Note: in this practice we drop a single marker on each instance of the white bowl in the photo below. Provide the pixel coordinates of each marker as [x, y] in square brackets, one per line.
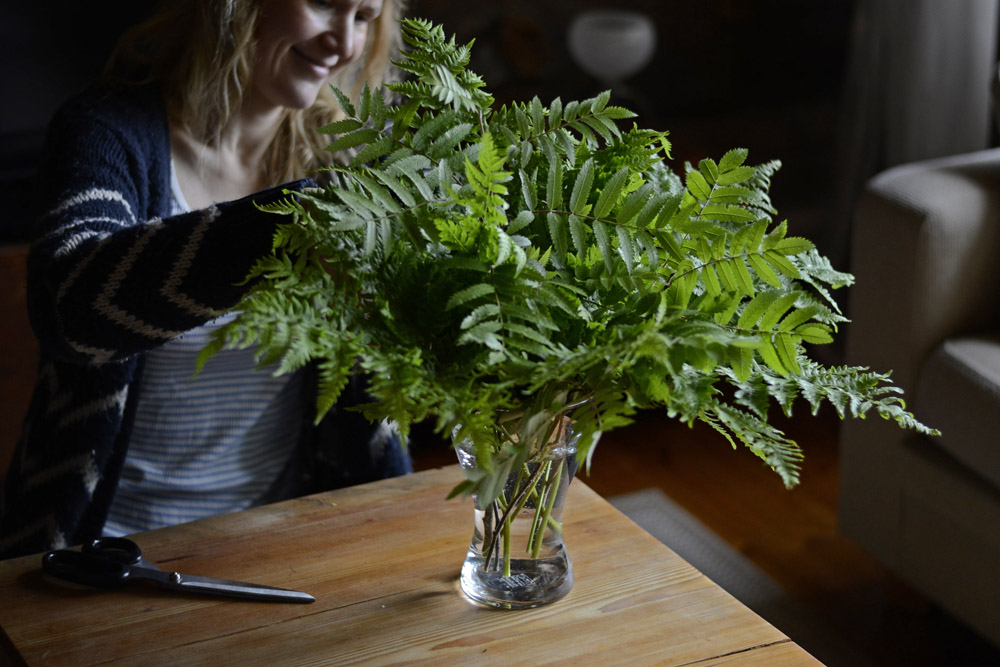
[611, 45]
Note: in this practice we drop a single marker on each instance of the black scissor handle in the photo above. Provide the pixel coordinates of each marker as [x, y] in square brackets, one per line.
[91, 569]
[119, 549]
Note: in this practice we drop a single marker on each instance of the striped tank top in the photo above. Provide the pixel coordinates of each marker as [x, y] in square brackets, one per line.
[207, 445]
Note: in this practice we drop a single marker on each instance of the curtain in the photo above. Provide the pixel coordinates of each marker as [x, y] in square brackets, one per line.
[918, 86]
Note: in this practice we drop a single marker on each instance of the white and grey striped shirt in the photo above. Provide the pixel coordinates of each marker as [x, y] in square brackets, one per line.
[208, 445]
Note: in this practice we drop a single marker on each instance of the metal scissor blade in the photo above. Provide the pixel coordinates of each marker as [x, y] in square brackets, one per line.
[237, 589]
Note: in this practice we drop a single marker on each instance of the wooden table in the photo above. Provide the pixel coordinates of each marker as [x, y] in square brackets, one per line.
[383, 560]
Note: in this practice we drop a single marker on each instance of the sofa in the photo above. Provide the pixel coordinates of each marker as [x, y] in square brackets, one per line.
[925, 249]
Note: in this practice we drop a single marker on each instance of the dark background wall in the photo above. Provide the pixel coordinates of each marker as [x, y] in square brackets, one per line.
[766, 75]
[50, 49]
[713, 56]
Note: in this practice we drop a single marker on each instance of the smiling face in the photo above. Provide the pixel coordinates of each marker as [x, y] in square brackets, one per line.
[302, 43]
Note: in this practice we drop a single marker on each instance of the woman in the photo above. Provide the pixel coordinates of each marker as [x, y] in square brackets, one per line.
[134, 263]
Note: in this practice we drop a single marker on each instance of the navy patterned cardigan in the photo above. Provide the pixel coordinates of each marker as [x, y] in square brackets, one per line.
[110, 277]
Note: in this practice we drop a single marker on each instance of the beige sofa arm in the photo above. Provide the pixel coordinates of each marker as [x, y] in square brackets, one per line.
[926, 255]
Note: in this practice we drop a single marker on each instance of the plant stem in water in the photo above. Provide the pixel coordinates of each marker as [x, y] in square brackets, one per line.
[553, 491]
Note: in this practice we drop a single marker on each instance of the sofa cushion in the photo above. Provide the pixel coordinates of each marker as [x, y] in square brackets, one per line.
[958, 392]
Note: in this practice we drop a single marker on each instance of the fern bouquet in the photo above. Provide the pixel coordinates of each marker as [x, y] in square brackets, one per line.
[502, 269]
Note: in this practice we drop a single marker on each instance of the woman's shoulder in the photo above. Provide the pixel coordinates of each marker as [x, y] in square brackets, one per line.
[125, 106]
[107, 123]
[113, 137]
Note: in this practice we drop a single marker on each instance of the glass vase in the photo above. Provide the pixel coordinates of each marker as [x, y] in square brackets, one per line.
[517, 558]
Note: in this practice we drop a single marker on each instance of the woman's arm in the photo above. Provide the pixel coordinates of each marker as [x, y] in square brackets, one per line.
[107, 278]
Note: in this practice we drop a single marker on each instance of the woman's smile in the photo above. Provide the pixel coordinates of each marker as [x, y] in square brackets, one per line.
[321, 69]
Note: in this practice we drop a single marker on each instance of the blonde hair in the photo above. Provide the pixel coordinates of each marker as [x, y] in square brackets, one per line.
[201, 54]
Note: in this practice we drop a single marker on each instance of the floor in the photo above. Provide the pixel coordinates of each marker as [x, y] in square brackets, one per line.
[790, 535]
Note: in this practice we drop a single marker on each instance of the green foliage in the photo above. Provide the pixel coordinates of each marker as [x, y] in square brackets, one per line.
[499, 269]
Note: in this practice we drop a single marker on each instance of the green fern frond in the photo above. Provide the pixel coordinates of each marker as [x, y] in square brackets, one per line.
[771, 445]
[483, 265]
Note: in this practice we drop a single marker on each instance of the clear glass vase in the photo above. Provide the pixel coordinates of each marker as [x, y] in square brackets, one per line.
[517, 558]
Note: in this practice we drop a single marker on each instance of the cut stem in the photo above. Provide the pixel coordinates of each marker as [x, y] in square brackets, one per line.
[553, 491]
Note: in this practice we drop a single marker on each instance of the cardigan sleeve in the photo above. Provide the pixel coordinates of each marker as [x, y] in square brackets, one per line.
[107, 277]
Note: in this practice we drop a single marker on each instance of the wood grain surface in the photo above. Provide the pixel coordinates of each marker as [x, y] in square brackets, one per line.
[382, 561]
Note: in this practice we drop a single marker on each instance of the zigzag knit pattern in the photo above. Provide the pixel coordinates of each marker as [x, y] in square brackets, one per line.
[109, 278]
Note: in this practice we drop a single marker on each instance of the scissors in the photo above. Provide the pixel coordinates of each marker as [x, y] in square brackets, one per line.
[108, 562]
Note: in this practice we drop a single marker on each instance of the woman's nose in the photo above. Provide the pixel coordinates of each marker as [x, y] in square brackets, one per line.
[341, 40]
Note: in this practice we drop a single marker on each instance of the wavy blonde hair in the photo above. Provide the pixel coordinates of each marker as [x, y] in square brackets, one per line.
[201, 54]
